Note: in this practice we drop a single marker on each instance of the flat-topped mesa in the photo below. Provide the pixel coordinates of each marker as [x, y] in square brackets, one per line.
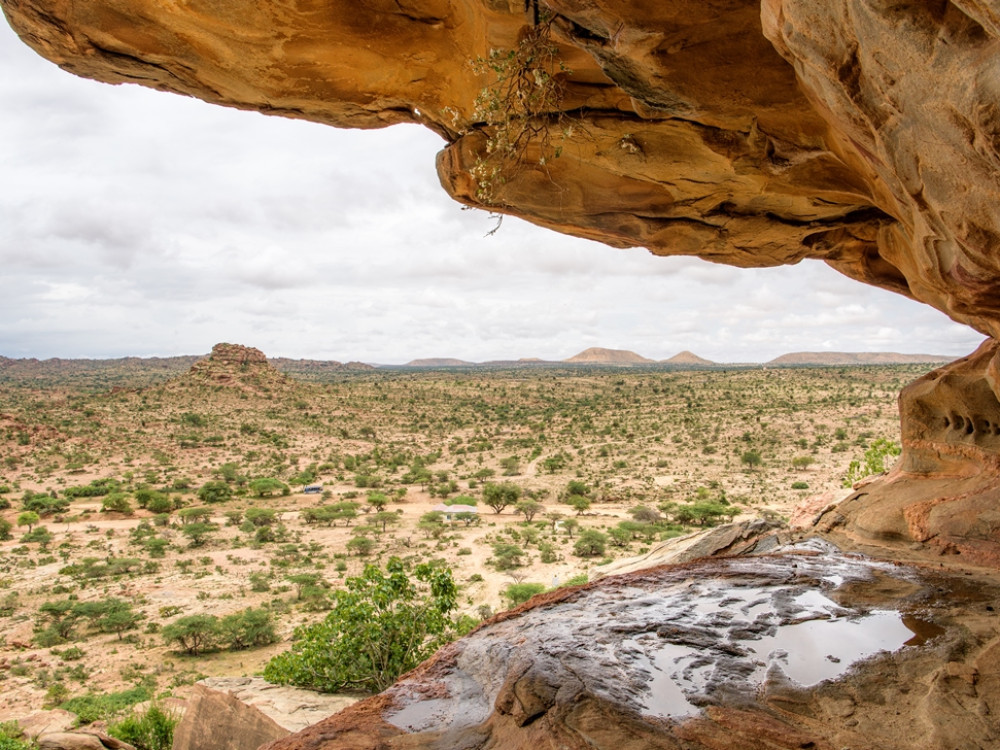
[748, 132]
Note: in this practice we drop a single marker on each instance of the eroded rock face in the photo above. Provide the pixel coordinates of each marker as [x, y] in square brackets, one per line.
[806, 649]
[945, 490]
[234, 365]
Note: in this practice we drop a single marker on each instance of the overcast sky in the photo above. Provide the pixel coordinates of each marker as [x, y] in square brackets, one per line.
[134, 222]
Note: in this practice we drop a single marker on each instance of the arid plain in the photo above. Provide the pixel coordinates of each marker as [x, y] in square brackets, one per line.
[636, 455]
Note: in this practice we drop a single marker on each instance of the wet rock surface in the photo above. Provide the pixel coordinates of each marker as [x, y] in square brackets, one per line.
[808, 648]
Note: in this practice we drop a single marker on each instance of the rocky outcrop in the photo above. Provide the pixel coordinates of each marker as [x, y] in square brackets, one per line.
[216, 720]
[289, 707]
[944, 492]
[806, 649]
[236, 366]
[84, 739]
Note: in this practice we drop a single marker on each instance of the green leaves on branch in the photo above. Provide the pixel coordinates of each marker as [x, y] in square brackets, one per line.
[383, 624]
[520, 109]
[874, 461]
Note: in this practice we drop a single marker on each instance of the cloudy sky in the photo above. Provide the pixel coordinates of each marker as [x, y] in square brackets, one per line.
[140, 223]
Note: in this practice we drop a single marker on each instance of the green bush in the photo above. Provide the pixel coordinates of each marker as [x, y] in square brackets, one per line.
[591, 543]
[800, 485]
[92, 707]
[383, 624]
[11, 737]
[519, 593]
[152, 729]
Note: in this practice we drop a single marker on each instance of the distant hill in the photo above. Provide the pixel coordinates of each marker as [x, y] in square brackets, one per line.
[315, 366]
[439, 362]
[235, 366]
[595, 355]
[687, 358]
[855, 358]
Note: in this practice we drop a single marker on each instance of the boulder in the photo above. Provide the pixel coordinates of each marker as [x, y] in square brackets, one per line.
[81, 740]
[42, 722]
[289, 707]
[216, 720]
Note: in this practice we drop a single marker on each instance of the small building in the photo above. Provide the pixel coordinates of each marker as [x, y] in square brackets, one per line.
[451, 511]
[313, 489]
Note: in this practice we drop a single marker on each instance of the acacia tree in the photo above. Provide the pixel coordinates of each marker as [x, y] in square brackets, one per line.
[529, 509]
[383, 624]
[499, 496]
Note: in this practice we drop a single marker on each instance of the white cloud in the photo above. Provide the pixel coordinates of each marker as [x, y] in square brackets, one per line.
[135, 222]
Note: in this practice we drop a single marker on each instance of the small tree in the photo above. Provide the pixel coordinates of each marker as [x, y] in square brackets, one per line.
[529, 509]
[28, 518]
[751, 459]
[590, 544]
[250, 628]
[215, 491]
[579, 503]
[198, 532]
[383, 624]
[362, 546]
[499, 496]
[195, 633]
[116, 502]
[117, 617]
[507, 556]
[378, 500]
[267, 486]
[519, 593]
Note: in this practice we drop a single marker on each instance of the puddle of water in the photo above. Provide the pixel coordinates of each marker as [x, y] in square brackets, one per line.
[816, 650]
[665, 698]
[922, 630]
[814, 602]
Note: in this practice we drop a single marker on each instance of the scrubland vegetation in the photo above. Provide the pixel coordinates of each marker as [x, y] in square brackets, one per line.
[156, 534]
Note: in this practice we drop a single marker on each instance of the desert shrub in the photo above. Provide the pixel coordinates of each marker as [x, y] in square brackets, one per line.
[591, 543]
[873, 462]
[5, 529]
[12, 738]
[362, 546]
[800, 485]
[518, 593]
[153, 729]
[215, 491]
[261, 516]
[97, 488]
[116, 502]
[250, 628]
[267, 486]
[383, 623]
[507, 556]
[92, 707]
